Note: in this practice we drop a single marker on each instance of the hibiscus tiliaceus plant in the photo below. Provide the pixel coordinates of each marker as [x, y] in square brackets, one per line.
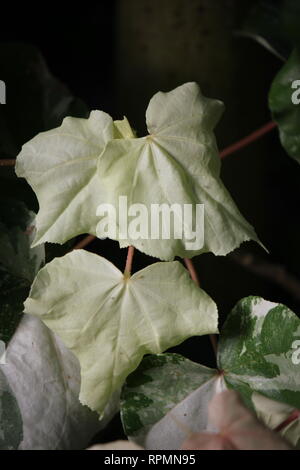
[111, 319]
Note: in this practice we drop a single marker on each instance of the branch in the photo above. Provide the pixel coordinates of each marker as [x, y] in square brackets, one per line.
[7, 162]
[191, 269]
[128, 266]
[248, 139]
[84, 242]
[194, 276]
[275, 273]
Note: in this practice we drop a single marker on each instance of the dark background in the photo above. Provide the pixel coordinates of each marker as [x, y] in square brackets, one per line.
[116, 54]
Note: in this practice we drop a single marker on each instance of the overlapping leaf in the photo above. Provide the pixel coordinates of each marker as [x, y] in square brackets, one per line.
[256, 357]
[177, 163]
[110, 321]
[274, 413]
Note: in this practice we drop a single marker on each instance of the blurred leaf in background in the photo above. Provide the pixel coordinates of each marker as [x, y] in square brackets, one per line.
[284, 110]
[35, 102]
[265, 25]
[18, 263]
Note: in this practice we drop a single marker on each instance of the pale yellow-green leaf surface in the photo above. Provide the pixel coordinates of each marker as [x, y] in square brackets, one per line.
[88, 162]
[110, 321]
[61, 165]
[177, 163]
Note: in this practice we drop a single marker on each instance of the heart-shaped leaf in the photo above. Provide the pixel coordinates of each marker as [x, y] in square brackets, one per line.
[177, 163]
[165, 399]
[111, 321]
[256, 350]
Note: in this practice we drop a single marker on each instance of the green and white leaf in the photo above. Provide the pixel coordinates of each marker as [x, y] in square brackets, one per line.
[110, 321]
[18, 263]
[44, 377]
[177, 163]
[11, 429]
[61, 167]
[167, 398]
[284, 111]
[256, 350]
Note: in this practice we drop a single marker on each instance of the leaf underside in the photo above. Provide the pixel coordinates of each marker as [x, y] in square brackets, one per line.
[111, 322]
[87, 162]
